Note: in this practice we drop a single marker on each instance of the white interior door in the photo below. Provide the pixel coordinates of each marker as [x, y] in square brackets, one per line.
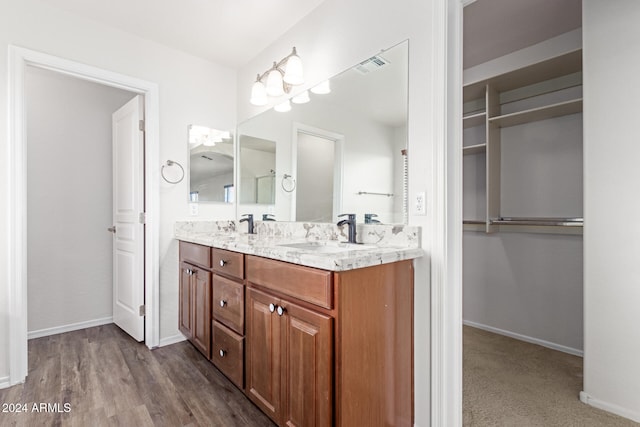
[128, 218]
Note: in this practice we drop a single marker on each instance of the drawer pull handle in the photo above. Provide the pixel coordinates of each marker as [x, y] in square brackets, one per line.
[222, 303]
[280, 311]
[223, 263]
[222, 353]
[272, 308]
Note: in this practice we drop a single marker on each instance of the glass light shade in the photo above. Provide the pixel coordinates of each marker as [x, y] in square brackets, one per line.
[322, 89]
[283, 107]
[258, 94]
[274, 83]
[208, 141]
[293, 74]
[301, 98]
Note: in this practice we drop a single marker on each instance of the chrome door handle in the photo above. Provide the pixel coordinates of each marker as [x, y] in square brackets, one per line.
[112, 229]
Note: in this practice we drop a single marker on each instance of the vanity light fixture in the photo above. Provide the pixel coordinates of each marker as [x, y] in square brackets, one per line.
[322, 88]
[202, 135]
[279, 79]
[283, 107]
[301, 98]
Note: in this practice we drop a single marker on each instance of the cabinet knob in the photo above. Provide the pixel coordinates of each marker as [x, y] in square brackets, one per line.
[222, 353]
[280, 311]
[272, 308]
[223, 263]
[222, 303]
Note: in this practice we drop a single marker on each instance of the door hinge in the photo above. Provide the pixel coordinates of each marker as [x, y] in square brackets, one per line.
[142, 218]
[142, 311]
[141, 125]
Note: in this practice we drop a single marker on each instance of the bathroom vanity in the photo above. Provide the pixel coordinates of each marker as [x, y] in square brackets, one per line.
[315, 332]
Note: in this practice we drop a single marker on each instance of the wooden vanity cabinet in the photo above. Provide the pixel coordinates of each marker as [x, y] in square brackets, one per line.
[227, 314]
[330, 348]
[321, 348]
[289, 361]
[195, 306]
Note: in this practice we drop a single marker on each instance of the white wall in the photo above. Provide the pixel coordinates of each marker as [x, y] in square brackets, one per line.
[612, 181]
[334, 37]
[69, 199]
[192, 90]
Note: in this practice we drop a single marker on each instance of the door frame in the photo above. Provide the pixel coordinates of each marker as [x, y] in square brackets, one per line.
[19, 58]
[338, 172]
[446, 252]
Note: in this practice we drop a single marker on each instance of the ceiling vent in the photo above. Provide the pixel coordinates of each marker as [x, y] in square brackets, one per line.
[372, 64]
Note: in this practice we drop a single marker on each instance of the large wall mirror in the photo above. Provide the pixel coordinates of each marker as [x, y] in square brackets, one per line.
[211, 165]
[341, 151]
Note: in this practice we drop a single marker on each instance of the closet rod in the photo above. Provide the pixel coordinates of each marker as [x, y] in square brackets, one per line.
[562, 222]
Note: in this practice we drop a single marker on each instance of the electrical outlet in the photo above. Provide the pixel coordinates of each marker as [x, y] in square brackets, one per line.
[420, 203]
[193, 209]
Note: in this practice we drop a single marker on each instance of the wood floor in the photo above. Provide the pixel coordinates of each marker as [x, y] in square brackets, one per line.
[108, 379]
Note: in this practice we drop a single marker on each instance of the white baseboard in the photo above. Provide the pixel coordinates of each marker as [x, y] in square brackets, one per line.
[68, 328]
[171, 340]
[609, 407]
[5, 382]
[525, 338]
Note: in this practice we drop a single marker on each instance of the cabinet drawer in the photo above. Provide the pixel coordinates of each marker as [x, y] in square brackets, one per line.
[227, 353]
[227, 263]
[228, 303]
[305, 283]
[195, 254]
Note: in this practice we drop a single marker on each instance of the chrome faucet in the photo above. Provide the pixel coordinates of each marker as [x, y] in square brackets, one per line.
[268, 217]
[351, 222]
[249, 220]
[368, 219]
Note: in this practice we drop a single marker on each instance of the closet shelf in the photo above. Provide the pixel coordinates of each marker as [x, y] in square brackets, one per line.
[547, 112]
[541, 221]
[473, 120]
[474, 149]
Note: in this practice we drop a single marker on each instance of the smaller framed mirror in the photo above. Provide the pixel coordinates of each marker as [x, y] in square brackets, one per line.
[211, 163]
[257, 170]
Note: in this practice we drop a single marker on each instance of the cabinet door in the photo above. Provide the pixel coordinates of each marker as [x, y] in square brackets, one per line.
[184, 314]
[307, 381]
[263, 353]
[201, 311]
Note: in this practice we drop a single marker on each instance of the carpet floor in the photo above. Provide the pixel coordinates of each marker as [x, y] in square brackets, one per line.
[508, 382]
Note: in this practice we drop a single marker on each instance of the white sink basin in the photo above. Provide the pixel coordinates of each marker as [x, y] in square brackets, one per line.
[328, 247]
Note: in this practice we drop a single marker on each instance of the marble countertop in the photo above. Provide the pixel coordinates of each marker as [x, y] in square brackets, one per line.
[310, 244]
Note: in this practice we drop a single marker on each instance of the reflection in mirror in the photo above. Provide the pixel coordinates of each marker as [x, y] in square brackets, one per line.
[257, 170]
[344, 149]
[211, 164]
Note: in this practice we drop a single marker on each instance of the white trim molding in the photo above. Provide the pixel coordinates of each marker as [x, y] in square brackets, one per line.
[446, 251]
[172, 340]
[4, 382]
[525, 338]
[69, 328]
[609, 407]
[19, 59]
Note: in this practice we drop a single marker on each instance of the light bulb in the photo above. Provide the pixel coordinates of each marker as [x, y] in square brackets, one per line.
[274, 82]
[293, 74]
[301, 98]
[283, 107]
[258, 94]
[322, 89]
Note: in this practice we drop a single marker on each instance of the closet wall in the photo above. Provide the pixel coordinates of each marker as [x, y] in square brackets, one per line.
[521, 279]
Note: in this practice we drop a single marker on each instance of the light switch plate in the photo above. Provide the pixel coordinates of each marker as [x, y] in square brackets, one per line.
[193, 209]
[420, 204]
